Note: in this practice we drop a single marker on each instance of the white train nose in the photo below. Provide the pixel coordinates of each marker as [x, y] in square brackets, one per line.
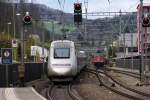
[61, 69]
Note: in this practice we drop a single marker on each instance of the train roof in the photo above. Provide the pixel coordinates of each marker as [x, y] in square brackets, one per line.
[62, 41]
[57, 41]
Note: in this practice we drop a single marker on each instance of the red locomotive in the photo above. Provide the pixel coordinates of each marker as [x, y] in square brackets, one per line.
[99, 60]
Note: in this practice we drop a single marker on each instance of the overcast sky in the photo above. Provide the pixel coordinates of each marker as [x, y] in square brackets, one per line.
[93, 5]
[96, 5]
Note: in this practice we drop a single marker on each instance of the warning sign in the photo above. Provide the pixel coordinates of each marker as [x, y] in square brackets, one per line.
[14, 43]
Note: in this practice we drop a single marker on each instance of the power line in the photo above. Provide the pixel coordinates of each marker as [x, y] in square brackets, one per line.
[61, 4]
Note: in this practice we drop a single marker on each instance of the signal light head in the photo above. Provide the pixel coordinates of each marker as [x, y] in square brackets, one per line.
[27, 19]
[78, 13]
[77, 6]
[146, 22]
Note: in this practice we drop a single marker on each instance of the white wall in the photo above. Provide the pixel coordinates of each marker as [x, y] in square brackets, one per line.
[38, 49]
[17, 1]
[128, 39]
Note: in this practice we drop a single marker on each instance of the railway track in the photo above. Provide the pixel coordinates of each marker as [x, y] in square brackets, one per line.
[61, 92]
[129, 73]
[119, 87]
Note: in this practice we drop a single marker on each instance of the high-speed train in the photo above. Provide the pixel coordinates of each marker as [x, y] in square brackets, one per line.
[64, 62]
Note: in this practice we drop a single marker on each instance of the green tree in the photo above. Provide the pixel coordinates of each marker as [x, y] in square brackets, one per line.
[29, 43]
[5, 40]
[111, 51]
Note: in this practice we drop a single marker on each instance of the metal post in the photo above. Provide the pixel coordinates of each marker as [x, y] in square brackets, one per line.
[22, 46]
[8, 31]
[14, 27]
[63, 26]
[43, 72]
[7, 76]
[120, 32]
[85, 27]
[14, 20]
[146, 67]
[21, 68]
[142, 52]
[146, 53]
[53, 31]
[132, 51]
[8, 28]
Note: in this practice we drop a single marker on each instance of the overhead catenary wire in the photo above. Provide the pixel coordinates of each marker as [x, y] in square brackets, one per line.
[62, 6]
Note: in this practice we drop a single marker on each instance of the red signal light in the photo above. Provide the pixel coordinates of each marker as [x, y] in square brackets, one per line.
[77, 6]
[78, 13]
[27, 19]
[146, 21]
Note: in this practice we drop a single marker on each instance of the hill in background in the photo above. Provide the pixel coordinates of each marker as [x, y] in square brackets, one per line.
[44, 17]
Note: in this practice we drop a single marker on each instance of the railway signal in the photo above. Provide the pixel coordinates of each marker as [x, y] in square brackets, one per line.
[77, 13]
[27, 19]
[146, 21]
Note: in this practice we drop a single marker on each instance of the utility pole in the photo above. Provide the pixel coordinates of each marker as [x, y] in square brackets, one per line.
[22, 67]
[142, 49]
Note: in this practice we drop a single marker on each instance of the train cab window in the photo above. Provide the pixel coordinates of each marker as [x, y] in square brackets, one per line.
[61, 53]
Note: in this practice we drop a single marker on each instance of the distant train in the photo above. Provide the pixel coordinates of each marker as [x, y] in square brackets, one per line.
[63, 61]
[99, 59]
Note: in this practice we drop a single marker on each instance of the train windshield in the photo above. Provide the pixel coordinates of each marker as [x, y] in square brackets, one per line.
[62, 53]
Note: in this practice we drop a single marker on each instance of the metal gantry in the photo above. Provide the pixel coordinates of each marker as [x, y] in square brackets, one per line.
[107, 14]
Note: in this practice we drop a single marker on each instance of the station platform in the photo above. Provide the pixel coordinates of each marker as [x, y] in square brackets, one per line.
[27, 93]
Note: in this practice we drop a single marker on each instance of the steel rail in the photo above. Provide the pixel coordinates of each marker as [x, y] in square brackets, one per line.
[49, 92]
[123, 85]
[121, 71]
[73, 96]
[111, 88]
[71, 93]
[129, 74]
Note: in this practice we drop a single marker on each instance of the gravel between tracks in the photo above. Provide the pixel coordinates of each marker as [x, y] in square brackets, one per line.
[87, 86]
[89, 89]
[130, 81]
